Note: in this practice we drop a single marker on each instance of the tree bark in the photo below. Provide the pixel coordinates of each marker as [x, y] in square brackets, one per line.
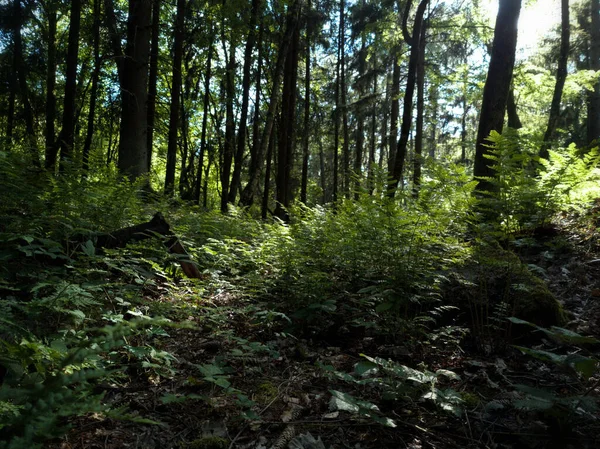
[414, 42]
[50, 133]
[593, 123]
[241, 137]
[306, 137]
[153, 79]
[22, 79]
[343, 99]
[206, 105]
[514, 121]
[418, 156]
[287, 135]
[561, 76]
[94, 92]
[133, 149]
[175, 99]
[256, 164]
[497, 86]
[229, 124]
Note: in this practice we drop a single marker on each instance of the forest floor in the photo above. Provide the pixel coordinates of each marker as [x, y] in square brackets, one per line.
[234, 379]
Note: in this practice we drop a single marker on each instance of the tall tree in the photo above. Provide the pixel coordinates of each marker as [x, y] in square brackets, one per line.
[175, 98]
[418, 156]
[241, 137]
[229, 146]
[414, 41]
[153, 79]
[256, 163]
[343, 99]
[21, 74]
[306, 136]
[593, 120]
[561, 76]
[67, 133]
[287, 135]
[133, 144]
[497, 85]
[50, 133]
[94, 92]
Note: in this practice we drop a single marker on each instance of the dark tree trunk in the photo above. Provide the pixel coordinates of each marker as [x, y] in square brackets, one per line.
[346, 134]
[256, 164]
[360, 127]
[257, 88]
[50, 150]
[418, 156]
[265, 198]
[512, 112]
[322, 174]
[561, 76]
[394, 114]
[67, 133]
[229, 124]
[175, 99]
[433, 95]
[205, 105]
[153, 79]
[593, 123]
[241, 137]
[414, 42]
[336, 124]
[497, 85]
[306, 137]
[133, 150]
[114, 37]
[21, 73]
[373, 143]
[93, 94]
[287, 135]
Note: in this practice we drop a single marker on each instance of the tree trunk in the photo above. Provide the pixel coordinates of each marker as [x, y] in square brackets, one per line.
[51, 151]
[256, 164]
[133, 149]
[497, 85]
[593, 124]
[414, 42]
[22, 79]
[265, 198]
[512, 112]
[93, 94]
[153, 79]
[175, 99]
[205, 103]
[418, 156]
[346, 135]
[229, 124]
[287, 135]
[373, 143]
[67, 133]
[241, 137]
[306, 137]
[561, 76]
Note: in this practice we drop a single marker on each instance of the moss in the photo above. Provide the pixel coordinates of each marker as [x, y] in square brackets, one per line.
[266, 392]
[209, 443]
[495, 281]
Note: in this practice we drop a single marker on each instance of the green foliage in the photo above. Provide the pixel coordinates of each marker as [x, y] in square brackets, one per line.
[528, 191]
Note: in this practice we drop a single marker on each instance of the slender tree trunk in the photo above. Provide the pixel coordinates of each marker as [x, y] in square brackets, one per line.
[153, 79]
[433, 95]
[384, 126]
[593, 124]
[50, 150]
[287, 133]
[394, 114]
[241, 137]
[229, 146]
[414, 43]
[497, 85]
[205, 106]
[94, 92]
[265, 198]
[133, 142]
[561, 76]
[306, 137]
[346, 134]
[373, 143]
[322, 173]
[251, 189]
[257, 93]
[336, 125]
[21, 74]
[360, 127]
[175, 99]
[418, 156]
[512, 112]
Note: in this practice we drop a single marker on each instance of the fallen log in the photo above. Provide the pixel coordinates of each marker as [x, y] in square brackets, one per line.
[157, 226]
